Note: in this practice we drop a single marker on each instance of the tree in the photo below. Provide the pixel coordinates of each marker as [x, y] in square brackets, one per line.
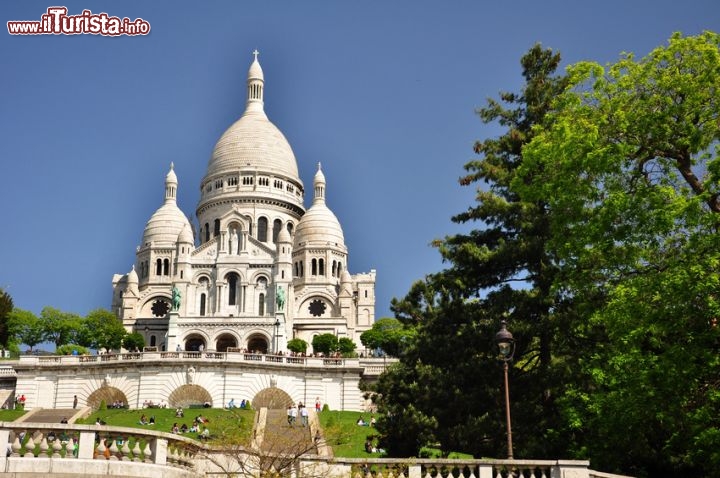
[388, 334]
[133, 341]
[629, 167]
[60, 327]
[6, 307]
[448, 379]
[346, 347]
[299, 346]
[27, 328]
[325, 343]
[102, 330]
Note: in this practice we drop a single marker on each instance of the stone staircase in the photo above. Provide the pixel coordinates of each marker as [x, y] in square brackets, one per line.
[50, 415]
[280, 437]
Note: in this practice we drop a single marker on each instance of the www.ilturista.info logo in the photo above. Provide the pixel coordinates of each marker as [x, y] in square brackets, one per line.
[57, 22]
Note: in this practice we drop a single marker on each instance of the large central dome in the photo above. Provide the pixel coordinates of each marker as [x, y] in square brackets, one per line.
[253, 143]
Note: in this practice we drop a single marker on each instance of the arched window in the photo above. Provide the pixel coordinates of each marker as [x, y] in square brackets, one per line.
[313, 269]
[216, 230]
[277, 225]
[334, 268]
[158, 267]
[153, 340]
[262, 229]
[321, 267]
[232, 289]
[302, 269]
[166, 267]
[339, 271]
[290, 228]
[297, 271]
[207, 232]
[202, 304]
[261, 305]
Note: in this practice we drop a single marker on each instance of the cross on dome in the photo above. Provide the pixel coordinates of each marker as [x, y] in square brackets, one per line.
[256, 53]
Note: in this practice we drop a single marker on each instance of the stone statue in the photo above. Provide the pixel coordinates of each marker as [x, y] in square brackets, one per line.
[176, 296]
[280, 297]
[231, 242]
[190, 375]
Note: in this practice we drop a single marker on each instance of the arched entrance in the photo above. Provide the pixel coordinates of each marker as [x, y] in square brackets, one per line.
[257, 343]
[272, 398]
[186, 395]
[109, 395]
[225, 341]
[193, 342]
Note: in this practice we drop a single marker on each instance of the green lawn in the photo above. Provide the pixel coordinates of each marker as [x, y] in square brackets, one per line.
[233, 424]
[346, 438]
[10, 415]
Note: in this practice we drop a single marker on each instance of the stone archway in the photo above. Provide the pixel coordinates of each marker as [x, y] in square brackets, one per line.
[189, 395]
[225, 341]
[257, 343]
[193, 343]
[109, 395]
[272, 398]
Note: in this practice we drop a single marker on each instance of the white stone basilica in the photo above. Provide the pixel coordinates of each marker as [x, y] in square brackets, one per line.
[262, 269]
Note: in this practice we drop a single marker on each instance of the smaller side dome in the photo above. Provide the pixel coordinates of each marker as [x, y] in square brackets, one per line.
[186, 235]
[284, 236]
[132, 277]
[166, 224]
[319, 225]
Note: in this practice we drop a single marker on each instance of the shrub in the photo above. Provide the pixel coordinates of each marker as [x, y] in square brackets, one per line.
[103, 405]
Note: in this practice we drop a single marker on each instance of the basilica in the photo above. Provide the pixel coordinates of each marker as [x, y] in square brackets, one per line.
[258, 269]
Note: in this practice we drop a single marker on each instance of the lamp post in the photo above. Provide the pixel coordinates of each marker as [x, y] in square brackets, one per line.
[506, 345]
[277, 326]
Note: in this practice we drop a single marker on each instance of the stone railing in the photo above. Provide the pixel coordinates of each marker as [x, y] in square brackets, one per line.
[89, 450]
[44, 448]
[370, 366]
[233, 357]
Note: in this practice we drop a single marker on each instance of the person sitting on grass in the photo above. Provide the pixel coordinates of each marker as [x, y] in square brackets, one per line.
[152, 420]
[183, 428]
[143, 419]
[205, 435]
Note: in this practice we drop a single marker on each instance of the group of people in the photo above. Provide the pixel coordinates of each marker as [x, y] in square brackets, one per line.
[243, 404]
[117, 404]
[151, 404]
[363, 423]
[147, 421]
[293, 412]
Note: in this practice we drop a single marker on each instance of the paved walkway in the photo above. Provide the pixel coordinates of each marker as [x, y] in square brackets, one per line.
[49, 415]
[283, 438]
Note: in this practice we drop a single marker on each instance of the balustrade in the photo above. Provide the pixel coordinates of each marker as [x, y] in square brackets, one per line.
[77, 450]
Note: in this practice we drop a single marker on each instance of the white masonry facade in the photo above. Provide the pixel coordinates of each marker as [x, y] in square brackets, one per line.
[259, 269]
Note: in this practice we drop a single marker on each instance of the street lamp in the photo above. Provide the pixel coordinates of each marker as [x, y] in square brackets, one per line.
[506, 345]
[277, 326]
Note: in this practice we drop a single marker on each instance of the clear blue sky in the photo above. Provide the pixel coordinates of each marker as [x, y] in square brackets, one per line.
[383, 93]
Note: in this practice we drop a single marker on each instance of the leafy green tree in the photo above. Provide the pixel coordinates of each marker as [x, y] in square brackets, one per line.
[133, 341]
[27, 328]
[346, 347]
[325, 343]
[299, 346]
[60, 327]
[502, 270]
[628, 165]
[6, 307]
[388, 334]
[71, 349]
[101, 329]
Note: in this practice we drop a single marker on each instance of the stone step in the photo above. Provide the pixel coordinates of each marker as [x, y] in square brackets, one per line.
[49, 415]
[281, 437]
